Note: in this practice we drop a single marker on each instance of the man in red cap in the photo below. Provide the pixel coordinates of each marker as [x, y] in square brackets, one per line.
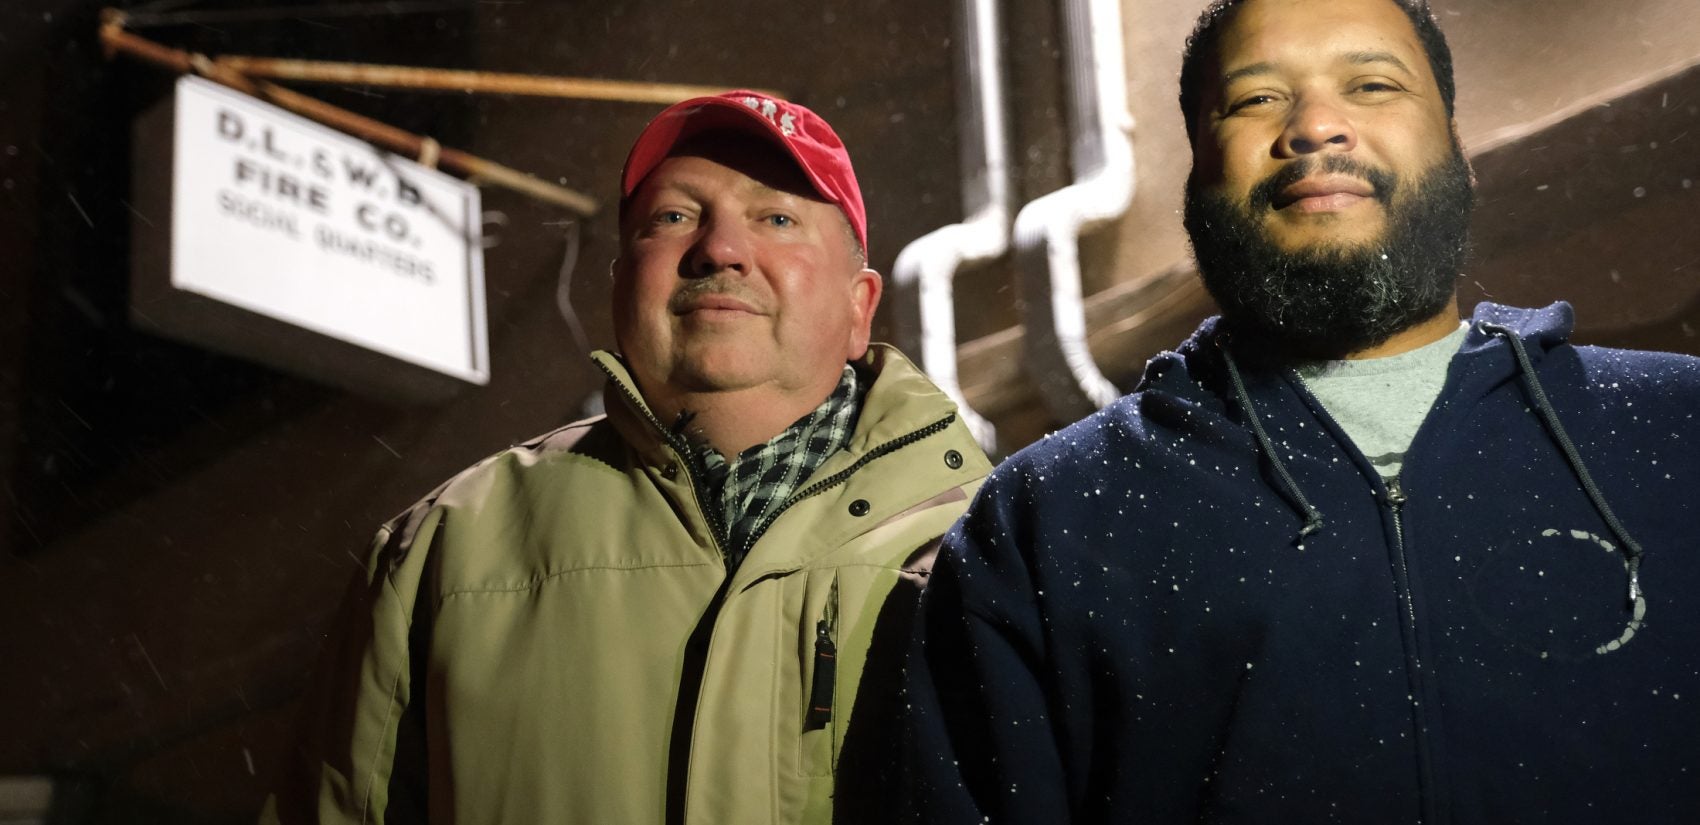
[663, 614]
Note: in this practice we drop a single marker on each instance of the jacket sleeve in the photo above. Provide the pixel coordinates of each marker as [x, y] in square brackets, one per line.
[360, 754]
[973, 741]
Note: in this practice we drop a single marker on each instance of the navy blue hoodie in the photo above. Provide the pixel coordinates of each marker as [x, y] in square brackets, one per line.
[1128, 626]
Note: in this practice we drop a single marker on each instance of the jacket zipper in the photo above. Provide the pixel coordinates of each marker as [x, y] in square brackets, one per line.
[1425, 771]
[826, 665]
[1395, 498]
[678, 795]
[1395, 503]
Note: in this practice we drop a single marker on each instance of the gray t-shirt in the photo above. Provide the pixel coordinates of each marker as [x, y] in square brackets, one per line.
[1380, 402]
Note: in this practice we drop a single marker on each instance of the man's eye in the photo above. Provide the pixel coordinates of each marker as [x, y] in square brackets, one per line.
[782, 221]
[1251, 102]
[670, 216]
[1377, 86]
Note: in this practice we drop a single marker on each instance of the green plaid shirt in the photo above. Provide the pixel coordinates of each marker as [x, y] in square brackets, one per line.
[753, 487]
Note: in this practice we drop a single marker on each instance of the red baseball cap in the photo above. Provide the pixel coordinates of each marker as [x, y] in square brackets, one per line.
[802, 133]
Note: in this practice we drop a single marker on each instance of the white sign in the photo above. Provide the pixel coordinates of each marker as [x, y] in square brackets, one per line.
[277, 215]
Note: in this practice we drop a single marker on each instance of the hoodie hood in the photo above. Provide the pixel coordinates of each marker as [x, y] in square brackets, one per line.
[1199, 359]
[1540, 330]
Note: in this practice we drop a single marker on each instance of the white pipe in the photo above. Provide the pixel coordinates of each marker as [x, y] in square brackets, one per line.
[1047, 230]
[932, 260]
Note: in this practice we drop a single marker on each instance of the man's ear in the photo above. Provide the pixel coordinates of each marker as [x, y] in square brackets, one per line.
[866, 286]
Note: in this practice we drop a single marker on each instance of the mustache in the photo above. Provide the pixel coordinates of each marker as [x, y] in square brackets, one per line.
[686, 296]
[1381, 180]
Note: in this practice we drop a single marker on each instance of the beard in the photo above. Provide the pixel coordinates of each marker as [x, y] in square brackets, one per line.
[1326, 301]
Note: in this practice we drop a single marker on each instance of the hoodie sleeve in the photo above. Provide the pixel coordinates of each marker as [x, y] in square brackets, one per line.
[979, 743]
[360, 755]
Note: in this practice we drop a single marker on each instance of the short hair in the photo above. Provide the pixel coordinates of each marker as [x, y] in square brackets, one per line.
[1207, 33]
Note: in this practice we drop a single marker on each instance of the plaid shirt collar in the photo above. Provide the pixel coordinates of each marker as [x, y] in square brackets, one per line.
[751, 489]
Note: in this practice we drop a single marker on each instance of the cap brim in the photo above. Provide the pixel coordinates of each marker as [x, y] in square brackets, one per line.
[683, 121]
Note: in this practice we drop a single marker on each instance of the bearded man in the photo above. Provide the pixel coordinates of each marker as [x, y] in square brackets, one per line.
[1339, 557]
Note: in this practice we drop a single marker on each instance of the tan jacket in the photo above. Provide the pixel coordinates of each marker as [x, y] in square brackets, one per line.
[523, 644]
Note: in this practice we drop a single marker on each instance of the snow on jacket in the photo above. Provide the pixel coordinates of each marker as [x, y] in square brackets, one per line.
[1128, 626]
[526, 642]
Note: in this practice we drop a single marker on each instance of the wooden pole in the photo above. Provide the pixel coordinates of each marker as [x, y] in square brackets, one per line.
[116, 41]
[453, 80]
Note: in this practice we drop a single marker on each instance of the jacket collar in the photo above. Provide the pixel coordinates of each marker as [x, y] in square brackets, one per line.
[895, 462]
[629, 413]
[899, 402]
[900, 399]
[898, 391]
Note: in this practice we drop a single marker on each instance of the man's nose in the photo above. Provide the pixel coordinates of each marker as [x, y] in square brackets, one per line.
[1317, 126]
[721, 246]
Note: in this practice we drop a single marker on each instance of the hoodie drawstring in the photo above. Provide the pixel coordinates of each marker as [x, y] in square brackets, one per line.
[1313, 516]
[1630, 547]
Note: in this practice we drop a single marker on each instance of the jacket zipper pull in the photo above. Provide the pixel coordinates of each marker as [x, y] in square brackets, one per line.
[826, 672]
[1395, 493]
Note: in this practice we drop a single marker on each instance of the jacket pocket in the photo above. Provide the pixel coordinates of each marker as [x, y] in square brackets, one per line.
[818, 649]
